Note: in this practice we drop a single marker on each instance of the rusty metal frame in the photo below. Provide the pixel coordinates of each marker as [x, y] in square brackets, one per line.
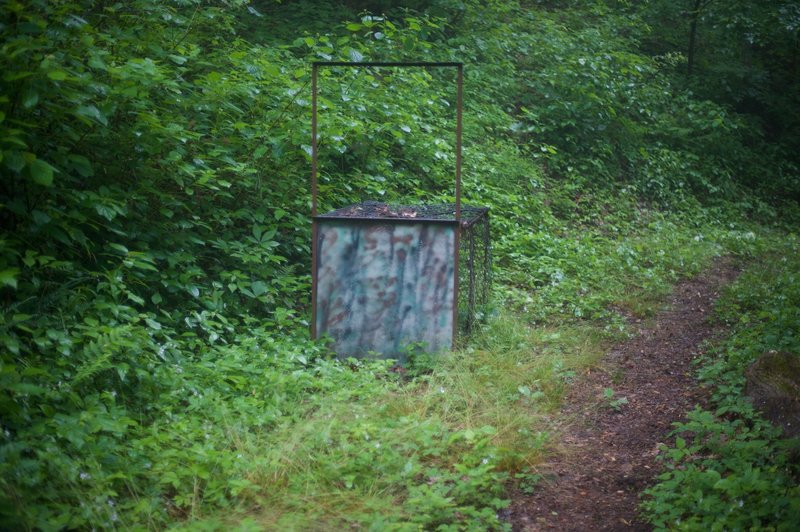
[315, 66]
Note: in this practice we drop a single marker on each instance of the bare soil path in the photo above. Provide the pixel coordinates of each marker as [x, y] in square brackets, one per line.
[604, 458]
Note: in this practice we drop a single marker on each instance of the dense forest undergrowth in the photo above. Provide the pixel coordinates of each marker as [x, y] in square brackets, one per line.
[156, 369]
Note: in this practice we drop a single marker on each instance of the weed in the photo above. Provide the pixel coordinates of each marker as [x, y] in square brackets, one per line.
[615, 404]
[527, 482]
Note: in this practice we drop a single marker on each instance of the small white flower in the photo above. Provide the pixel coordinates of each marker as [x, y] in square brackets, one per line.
[441, 389]
[85, 476]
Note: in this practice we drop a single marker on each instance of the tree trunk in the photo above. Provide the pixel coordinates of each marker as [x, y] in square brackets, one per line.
[694, 14]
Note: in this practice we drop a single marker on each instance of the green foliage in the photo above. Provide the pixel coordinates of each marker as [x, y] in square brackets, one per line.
[729, 475]
[615, 404]
[729, 468]
[743, 58]
[155, 369]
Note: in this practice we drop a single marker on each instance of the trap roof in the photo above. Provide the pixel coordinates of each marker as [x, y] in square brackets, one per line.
[376, 210]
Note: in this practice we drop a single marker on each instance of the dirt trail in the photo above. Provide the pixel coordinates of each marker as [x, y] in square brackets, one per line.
[605, 458]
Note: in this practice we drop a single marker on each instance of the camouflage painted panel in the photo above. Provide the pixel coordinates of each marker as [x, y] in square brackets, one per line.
[382, 286]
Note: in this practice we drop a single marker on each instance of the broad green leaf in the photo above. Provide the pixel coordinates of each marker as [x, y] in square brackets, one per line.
[8, 277]
[30, 98]
[39, 217]
[57, 75]
[119, 247]
[97, 63]
[26, 388]
[14, 139]
[258, 288]
[14, 160]
[91, 111]
[105, 211]
[355, 55]
[41, 172]
[81, 165]
[14, 76]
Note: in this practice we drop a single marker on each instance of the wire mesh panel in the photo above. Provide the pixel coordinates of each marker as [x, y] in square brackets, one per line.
[475, 270]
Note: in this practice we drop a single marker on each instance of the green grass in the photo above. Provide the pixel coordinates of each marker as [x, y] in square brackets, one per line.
[436, 445]
[436, 449]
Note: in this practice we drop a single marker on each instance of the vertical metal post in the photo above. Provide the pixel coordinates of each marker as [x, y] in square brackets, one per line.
[314, 70]
[457, 240]
[459, 109]
[472, 287]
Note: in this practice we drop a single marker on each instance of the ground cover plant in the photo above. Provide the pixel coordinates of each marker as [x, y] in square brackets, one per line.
[155, 368]
[729, 467]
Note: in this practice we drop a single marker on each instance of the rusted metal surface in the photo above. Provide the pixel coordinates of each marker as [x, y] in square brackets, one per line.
[314, 72]
[459, 129]
[457, 245]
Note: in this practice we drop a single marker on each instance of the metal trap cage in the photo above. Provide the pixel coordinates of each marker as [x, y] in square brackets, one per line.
[391, 279]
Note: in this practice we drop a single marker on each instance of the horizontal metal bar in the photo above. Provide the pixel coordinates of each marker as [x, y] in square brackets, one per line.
[399, 64]
[384, 220]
